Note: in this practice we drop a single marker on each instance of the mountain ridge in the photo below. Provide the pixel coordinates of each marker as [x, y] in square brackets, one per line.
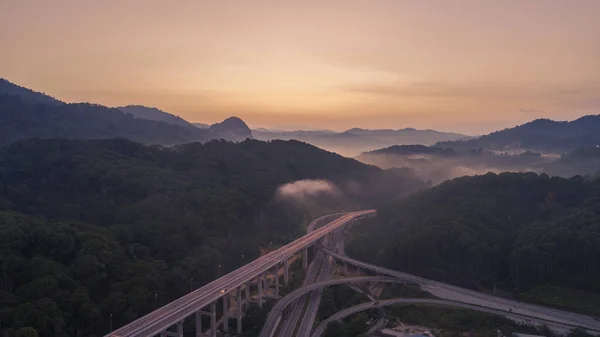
[25, 113]
[539, 134]
[152, 113]
[356, 140]
[36, 97]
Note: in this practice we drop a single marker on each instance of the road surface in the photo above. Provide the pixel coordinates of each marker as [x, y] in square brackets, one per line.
[297, 309]
[302, 312]
[313, 301]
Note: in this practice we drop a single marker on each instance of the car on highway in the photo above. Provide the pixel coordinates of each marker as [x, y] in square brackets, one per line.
[223, 291]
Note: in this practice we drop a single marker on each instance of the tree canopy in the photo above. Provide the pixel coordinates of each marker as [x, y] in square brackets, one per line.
[94, 228]
[513, 230]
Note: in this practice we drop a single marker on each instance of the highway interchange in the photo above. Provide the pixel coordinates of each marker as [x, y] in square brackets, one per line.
[278, 309]
[174, 312]
[450, 292]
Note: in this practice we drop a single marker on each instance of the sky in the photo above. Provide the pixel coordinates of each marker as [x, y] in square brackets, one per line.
[468, 66]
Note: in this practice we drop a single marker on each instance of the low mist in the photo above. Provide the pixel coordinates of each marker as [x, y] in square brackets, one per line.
[307, 188]
[310, 195]
[437, 169]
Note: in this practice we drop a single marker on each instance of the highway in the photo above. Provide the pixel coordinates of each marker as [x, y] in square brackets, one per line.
[453, 293]
[305, 307]
[274, 316]
[290, 321]
[438, 303]
[313, 300]
[174, 312]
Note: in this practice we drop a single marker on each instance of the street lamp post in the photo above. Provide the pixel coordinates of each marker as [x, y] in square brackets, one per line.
[191, 284]
[110, 322]
[156, 301]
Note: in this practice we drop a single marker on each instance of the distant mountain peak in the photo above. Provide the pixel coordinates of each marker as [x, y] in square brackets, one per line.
[36, 115]
[234, 121]
[232, 128]
[355, 130]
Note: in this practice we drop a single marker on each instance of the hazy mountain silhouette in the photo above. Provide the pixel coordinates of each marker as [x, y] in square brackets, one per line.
[538, 135]
[231, 129]
[25, 94]
[354, 141]
[439, 164]
[585, 161]
[155, 114]
[25, 114]
[22, 120]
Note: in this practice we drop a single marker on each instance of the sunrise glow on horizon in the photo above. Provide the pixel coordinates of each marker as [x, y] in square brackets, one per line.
[466, 65]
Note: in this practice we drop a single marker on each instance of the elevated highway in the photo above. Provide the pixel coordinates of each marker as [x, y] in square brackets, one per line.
[194, 303]
[299, 307]
[203, 301]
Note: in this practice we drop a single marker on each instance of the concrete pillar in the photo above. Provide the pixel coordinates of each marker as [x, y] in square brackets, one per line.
[163, 334]
[198, 324]
[226, 313]
[345, 269]
[260, 290]
[286, 271]
[266, 282]
[213, 319]
[180, 329]
[238, 308]
[305, 258]
[247, 289]
[277, 282]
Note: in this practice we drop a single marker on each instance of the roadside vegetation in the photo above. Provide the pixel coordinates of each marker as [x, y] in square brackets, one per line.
[520, 235]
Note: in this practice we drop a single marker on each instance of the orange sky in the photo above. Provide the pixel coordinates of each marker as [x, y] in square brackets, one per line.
[458, 65]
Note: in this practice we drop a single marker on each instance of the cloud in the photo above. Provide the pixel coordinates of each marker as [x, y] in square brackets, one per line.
[573, 91]
[308, 188]
[525, 110]
[418, 89]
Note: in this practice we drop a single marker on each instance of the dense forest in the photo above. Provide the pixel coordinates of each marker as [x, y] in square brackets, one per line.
[94, 228]
[515, 231]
